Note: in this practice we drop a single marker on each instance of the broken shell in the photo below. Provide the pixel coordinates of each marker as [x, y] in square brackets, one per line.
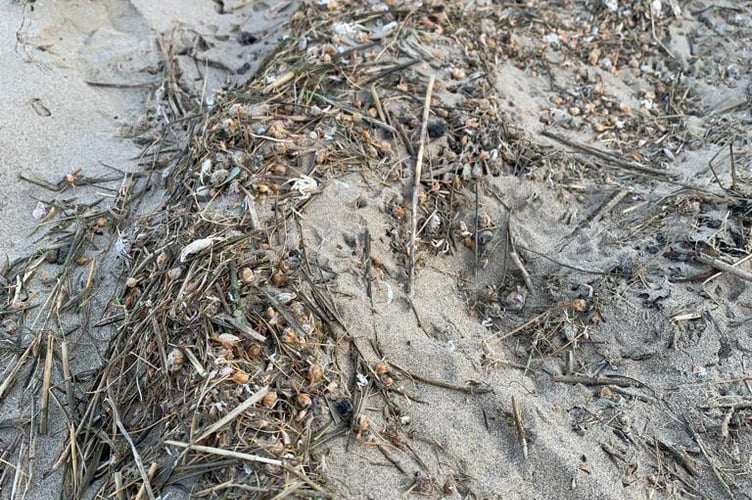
[174, 273]
[485, 237]
[206, 167]
[175, 360]
[203, 193]
[196, 247]
[219, 176]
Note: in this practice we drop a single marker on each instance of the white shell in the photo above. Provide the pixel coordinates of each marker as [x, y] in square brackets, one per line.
[197, 246]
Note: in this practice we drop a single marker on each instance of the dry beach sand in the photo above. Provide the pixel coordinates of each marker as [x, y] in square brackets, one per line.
[363, 249]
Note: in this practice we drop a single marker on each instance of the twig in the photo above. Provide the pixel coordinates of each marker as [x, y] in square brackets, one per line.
[471, 388]
[655, 36]
[723, 266]
[476, 216]
[606, 156]
[518, 262]
[241, 408]
[152, 471]
[416, 181]
[712, 464]
[225, 453]
[46, 383]
[134, 450]
[517, 417]
[733, 165]
[523, 326]
[620, 381]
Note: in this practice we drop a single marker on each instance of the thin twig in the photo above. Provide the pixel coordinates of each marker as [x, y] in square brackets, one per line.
[241, 408]
[46, 383]
[416, 182]
[519, 426]
[713, 466]
[605, 155]
[723, 266]
[134, 450]
[225, 453]
[471, 388]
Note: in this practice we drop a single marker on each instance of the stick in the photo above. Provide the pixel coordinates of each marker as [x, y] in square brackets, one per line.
[46, 383]
[225, 453]
[606, 156]
[416, 181]
[476, 244]
[722, 266]
[713, 466]
[471, 388]
[518, 262]
[134, 450]
[733, 165]
[242, 407]
[152, 470]
[517, 416]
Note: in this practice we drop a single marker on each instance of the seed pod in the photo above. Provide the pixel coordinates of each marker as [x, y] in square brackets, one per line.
[579, 305]
[228, 340]
[289, 336]
[254, 351]
[269, 400]
[240, 377]
[315, 373]
[303, 400]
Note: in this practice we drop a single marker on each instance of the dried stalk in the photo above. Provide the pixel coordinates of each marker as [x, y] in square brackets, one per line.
[519, 426]
[416, 182]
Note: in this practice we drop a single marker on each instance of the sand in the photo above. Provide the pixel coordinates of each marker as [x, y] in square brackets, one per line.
[80, 78]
